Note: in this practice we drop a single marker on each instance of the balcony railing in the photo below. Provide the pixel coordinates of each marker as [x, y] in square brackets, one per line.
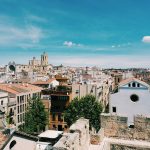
[56, 92]
[11, 103]
[67, 92]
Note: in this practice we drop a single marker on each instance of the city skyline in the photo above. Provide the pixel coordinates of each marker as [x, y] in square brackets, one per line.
[104, 33]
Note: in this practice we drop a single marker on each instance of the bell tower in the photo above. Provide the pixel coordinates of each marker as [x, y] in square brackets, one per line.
[44, 59]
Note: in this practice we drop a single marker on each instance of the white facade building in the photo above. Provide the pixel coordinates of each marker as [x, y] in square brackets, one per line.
[4, 100]
[132, 98]
[3, 108]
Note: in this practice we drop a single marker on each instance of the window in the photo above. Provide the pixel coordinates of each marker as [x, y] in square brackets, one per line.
[77, 91]
[60, 117]
[114, 109]
[18, 119]
[129, 85]
[1, 102]
[54, 127]
[18, 99]
[60, 128]
[23, 107]
[133, 84]
[134, 97]
[18, 109]
[131, 126]
[21, 118]
[138, 85]
[53, 117]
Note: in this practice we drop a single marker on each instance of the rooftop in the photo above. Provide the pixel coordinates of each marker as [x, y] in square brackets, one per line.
[52, 134]
[3, 139]
[39, 82]
[19, 88]
[126, 81]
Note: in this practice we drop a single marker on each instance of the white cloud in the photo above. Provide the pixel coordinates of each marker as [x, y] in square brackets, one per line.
[146, 39]
[35, 18]
[15, 35]
[70, 44]
[121, 45]
[11, 34]
[34, 33]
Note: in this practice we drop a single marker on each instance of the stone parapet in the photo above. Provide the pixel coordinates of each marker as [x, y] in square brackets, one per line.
[117, 127]
[77, 139]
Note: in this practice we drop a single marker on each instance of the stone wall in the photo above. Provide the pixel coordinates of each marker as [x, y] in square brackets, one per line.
[69, 141]
[123, 147]
[116, 126]
[77, 139]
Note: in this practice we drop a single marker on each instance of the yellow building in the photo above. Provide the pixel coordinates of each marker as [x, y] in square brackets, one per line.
[60, 98]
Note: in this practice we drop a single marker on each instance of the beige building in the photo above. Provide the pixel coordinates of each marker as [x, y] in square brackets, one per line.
[34, 62]
[80, 90]
[100, 91]
[117, 77]
[19, 95]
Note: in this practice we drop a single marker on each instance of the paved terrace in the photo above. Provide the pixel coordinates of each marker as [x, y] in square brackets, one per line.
[105, 144]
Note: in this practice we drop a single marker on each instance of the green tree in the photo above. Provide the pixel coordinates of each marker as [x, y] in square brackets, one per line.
[36, 117]
[86, 107]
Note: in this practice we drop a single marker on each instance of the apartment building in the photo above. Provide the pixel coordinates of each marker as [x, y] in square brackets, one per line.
[3, 108]
[60, 97]
[19, 96]
[4, 100]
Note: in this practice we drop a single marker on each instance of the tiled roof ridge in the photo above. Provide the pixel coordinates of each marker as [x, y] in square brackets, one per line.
[132, 79]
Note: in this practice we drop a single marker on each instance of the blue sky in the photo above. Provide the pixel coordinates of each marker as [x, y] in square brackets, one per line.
[107, 33]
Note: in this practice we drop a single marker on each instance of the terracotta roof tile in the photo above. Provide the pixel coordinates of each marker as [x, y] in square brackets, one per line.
[19, 88]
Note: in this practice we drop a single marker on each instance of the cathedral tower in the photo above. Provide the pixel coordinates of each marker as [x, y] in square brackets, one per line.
[44, 59]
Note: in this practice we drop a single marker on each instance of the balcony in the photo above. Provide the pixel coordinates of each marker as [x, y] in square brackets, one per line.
[11, 103]
[59, 90]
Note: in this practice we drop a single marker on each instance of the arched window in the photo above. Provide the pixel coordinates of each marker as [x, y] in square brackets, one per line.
[133, 84]
[129, 85]
[1, 102]
[138, 85]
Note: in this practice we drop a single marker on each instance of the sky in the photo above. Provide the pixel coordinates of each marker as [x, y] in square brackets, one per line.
[105, 33]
